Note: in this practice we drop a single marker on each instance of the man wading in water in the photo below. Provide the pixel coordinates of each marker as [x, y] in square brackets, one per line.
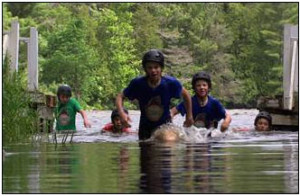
[154, 93]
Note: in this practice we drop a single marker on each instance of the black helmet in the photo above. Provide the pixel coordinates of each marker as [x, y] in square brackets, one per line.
[115, 113]
[64, 90]
[202, 75]
[155, 56]
[263, 114]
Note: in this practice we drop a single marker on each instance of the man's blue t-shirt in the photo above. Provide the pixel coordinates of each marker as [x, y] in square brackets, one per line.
[204, 116]
[154, 102]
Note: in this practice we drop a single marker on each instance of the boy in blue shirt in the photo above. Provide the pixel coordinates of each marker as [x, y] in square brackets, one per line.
[154, 93]
[207, 111]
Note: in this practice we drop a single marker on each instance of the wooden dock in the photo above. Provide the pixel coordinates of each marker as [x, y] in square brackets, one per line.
[283, 119]
[284, 109]
[43, 104]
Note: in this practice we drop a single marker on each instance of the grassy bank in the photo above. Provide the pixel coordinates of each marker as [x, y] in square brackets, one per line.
[18, 119]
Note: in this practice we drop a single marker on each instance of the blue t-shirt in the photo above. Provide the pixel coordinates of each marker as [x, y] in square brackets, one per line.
[205, 116]
[154, 102]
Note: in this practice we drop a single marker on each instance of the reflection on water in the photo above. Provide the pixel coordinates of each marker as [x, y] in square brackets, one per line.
[233, 163]
[188, 168]
[155, 172]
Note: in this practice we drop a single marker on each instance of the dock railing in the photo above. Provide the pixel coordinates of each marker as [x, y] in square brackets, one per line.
[290, 66]
[44, 104]
[284, 108]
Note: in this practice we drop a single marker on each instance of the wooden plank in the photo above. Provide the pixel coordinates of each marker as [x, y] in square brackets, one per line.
[13, 46]
[287, 120]
[5, 46]
[45, 113]
[296, 73]
[37, 97]
[265, 102]
[292, 76]
[50, 101]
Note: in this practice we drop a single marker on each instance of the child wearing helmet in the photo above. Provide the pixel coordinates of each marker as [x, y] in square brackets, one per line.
[207, 110]
[66, 110]
[262, 122]
[116, 125]
[154, 93]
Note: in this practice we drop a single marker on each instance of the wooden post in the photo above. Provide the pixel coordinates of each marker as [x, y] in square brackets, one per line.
[292, 76]
[290, 65]
[13, 47]
[5, 46]
[33, 60]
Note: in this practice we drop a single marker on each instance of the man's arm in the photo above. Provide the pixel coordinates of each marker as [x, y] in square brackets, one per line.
[174, 112]
[189, 121]
[119, 103]
[226, 122]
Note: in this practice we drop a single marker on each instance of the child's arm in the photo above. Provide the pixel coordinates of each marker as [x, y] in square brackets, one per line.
[107, 128]
[240, 129]
[189, 121]
[173, 112]
[85, 119]
[129, 131]
[226, 122]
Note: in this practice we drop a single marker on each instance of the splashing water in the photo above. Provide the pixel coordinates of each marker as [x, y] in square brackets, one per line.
[185, 134]
[201, 135]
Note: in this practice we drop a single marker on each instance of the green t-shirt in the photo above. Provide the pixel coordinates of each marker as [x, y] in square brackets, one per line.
[65, 115]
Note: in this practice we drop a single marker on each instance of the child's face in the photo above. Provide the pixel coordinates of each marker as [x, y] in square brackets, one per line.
[201, 88]
[64, 98]
[262, 125]
[117, 122]
[153, 70]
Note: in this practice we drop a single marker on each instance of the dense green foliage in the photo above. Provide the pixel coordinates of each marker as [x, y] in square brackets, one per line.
[97, 47]
[18, 120]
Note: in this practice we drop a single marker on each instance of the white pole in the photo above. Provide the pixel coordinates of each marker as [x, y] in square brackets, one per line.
[5, 46]
[33, 60]
[13, 46]
[292, 75]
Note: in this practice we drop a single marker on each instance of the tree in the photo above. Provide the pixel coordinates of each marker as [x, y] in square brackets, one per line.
[70, 59]
[146, 29]
[257, 46]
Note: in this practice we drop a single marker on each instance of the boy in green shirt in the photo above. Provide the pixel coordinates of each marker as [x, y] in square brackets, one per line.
[66, 110]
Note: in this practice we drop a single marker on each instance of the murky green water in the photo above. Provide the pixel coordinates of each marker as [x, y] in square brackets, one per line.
[235, 163]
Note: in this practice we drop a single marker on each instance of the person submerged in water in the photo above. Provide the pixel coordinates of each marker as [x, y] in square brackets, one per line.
[116, 125]
[262, 122]
[168, 133]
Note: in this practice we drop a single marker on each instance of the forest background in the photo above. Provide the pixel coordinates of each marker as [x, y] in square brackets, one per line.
[97, 49]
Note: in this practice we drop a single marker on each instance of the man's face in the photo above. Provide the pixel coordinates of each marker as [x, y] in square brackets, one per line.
[64, 99]
[201, 88]
[262, 125]
[153, 70]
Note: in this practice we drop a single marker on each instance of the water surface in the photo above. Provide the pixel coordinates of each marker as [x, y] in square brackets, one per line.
[95, 163]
